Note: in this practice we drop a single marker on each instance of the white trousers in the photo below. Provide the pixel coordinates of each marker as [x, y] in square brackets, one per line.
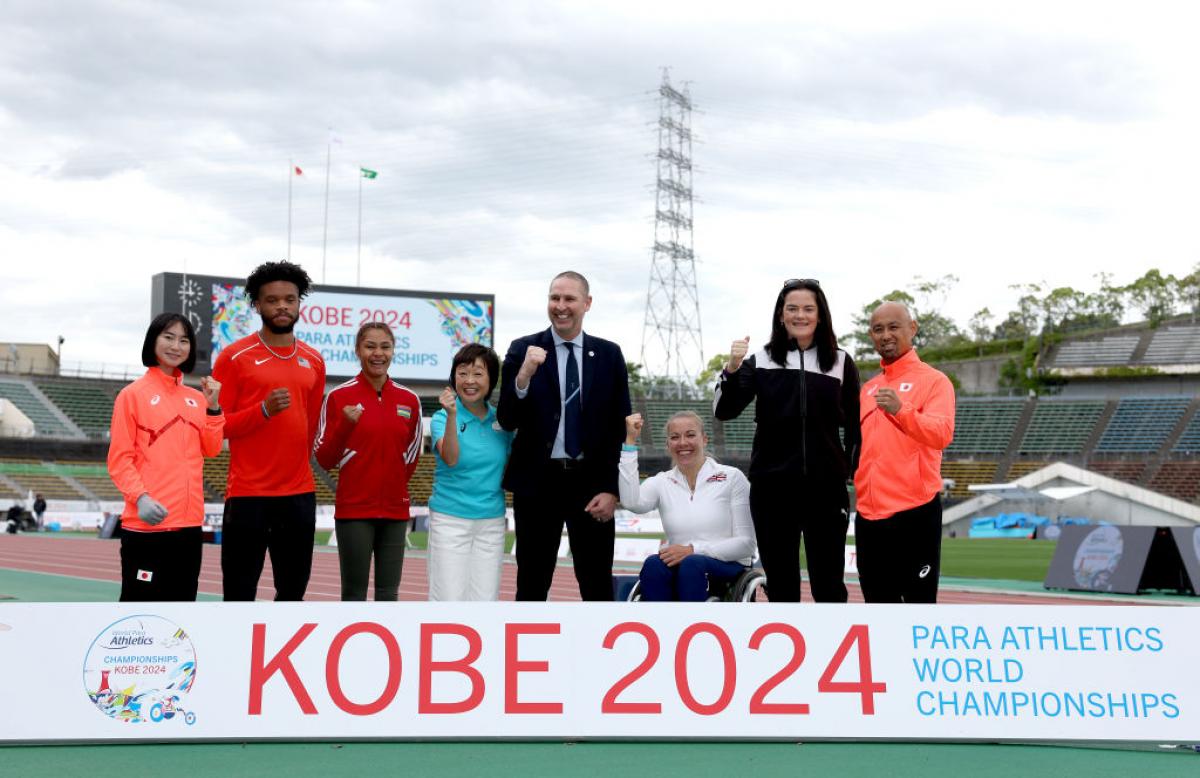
[465, 557]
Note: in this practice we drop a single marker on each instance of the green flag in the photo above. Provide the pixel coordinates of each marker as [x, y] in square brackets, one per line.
[367, 173]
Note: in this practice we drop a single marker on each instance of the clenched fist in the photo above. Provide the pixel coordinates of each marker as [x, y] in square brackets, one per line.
[633, 428]
[449, 400]
[534, 357]
[277, 401]
[211, 389]
[352, 412]
[737, 352]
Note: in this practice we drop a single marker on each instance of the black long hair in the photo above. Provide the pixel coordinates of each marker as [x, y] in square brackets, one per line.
[157, 325]
[823, 338]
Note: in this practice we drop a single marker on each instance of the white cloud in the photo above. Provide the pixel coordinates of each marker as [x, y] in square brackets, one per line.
[858, 144]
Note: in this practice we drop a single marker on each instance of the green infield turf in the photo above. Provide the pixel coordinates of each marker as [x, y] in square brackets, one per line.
[662, 760]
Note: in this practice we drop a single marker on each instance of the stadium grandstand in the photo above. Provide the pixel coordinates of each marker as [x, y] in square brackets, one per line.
[1142, 429]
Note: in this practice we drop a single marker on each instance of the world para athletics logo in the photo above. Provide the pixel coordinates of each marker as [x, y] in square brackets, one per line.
[140, 669]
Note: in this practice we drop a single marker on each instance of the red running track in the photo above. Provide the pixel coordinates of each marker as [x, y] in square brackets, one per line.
[99, 560]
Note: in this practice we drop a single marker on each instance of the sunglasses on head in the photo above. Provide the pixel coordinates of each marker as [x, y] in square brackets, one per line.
[800, 282]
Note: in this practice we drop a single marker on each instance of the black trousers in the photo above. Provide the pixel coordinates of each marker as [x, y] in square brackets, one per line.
[360, 540]
[786, 512]
[540, 516]
[161, 566]
[254, 526]
[899, 558]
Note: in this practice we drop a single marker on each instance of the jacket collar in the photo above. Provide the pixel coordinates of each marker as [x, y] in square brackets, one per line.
[902, 364]
[159, 377]
[362, 380]
[706, 471]
[465, 414]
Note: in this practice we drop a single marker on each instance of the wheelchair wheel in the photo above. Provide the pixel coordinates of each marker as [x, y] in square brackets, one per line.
[750, 586]
[635, 592]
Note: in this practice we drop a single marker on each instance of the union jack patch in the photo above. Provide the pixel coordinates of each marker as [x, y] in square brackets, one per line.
[404, 413]
[717, 478]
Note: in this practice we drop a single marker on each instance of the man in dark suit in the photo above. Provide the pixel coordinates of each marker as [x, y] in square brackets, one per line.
[566, 394]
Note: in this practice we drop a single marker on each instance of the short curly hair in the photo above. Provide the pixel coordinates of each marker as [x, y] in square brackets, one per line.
[277, 271]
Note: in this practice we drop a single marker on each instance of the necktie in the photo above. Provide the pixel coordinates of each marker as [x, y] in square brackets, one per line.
[572, 407]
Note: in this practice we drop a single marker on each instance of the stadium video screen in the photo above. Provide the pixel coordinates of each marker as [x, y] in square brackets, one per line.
[429, 326]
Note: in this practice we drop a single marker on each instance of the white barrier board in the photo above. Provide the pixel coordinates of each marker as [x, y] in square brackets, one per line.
[243, 671]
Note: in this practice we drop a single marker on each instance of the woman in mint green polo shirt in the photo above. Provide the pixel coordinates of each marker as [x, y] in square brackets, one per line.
[466, 509]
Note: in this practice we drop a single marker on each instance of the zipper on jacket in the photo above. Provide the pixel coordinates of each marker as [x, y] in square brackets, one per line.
[803, 417]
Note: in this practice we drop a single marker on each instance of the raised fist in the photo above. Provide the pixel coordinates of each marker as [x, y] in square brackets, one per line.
[737, 352]
[633, 428]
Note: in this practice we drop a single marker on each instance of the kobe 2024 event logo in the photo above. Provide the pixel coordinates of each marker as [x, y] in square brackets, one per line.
[140, 669]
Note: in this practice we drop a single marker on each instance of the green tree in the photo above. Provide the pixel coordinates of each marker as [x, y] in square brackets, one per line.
[1154, 295]
[637, 381]
[708, 376]
[861, 337]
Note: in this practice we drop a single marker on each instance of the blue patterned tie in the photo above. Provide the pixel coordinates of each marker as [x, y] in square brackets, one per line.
[573, 410]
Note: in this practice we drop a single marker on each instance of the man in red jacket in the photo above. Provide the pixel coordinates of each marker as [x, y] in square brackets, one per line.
[273, 387]
[907, 414]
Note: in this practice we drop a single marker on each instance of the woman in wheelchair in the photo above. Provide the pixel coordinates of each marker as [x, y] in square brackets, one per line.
[705, 510]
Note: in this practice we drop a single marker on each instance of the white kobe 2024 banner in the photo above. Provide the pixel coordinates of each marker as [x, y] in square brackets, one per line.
[242, 671]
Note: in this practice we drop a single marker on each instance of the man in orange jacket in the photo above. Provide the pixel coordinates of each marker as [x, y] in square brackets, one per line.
[907, 414]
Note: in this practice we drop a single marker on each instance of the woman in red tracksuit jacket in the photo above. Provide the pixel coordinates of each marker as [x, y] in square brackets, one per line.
[160, 432]
[370, 430]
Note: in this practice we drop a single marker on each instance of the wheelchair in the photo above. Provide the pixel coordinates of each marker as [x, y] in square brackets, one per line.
[749, 586]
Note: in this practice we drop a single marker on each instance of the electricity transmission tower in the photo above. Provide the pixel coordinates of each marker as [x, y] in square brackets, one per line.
[672, 349]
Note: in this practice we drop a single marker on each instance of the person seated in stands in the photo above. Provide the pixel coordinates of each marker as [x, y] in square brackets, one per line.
[705, 510]
[14, 518]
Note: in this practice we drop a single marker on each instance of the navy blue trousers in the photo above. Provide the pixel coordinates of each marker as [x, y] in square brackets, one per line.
[686, 581]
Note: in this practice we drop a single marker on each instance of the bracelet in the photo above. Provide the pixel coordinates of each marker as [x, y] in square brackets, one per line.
[264, 410]
[213, 411]
[627, 447]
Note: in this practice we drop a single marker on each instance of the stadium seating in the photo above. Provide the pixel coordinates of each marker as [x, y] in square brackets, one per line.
[1061, 426]
[1189, 441]
[659, 410]
[1178, 479]
[1142, 424]
[31, 475]
[966, 473]
[739, 432]
[93, 476]
[1110, 350]
[1121, 469]
[87, 403]
[1173, 346]
[984, 425]
[45, 423]
[1024, 467]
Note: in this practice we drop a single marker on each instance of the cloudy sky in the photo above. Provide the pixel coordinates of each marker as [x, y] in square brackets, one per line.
[861, 144]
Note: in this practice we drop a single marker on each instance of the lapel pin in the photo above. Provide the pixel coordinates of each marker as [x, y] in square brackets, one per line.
[591, 353]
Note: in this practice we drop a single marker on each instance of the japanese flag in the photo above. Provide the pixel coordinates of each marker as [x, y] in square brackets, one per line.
[145, 575]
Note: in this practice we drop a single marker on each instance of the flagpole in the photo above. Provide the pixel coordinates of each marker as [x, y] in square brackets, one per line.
[325, 232]
[291, 173]
[358, 267]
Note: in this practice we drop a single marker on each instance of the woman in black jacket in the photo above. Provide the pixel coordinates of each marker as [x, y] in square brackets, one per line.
[807, 389]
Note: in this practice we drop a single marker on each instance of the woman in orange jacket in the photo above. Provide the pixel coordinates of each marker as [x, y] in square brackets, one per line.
[161, 430]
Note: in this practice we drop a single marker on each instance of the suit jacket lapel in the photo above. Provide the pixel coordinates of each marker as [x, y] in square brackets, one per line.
[589, 367]
[551, 365]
